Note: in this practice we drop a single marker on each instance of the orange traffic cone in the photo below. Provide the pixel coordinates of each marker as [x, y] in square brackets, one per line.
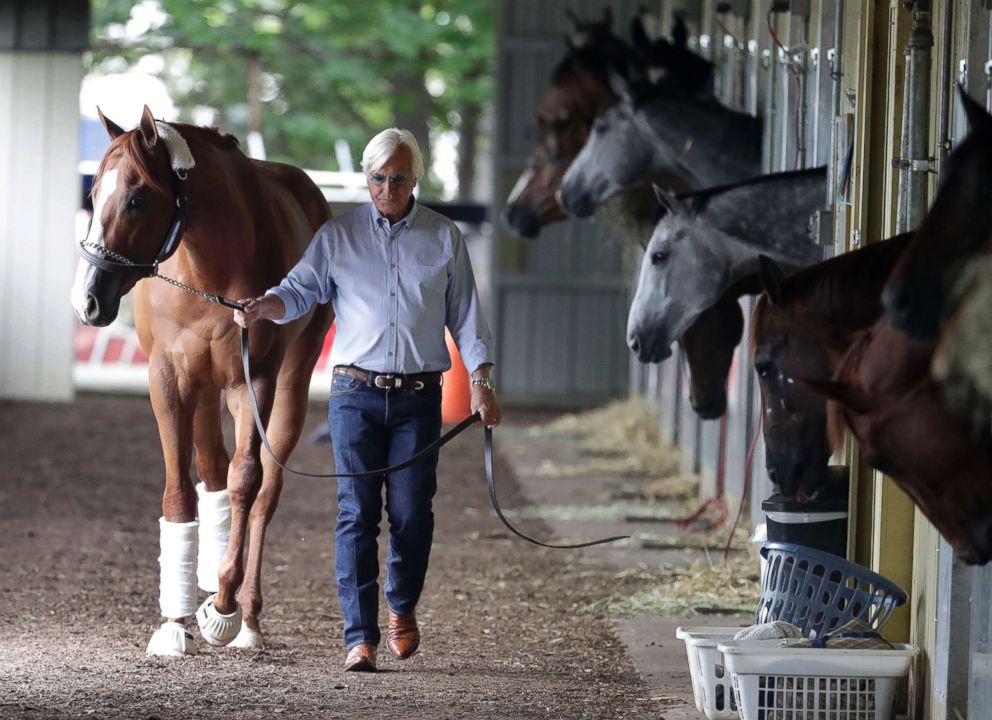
[456, 393]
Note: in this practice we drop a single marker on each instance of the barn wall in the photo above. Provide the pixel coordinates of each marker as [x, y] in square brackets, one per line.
[39, 194]
[40, 72]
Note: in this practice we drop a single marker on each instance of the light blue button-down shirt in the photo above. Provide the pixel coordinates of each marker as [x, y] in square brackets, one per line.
[394, 288]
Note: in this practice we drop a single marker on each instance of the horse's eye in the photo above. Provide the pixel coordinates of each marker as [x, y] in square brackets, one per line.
[600, 127]
[659, 256]
[135, 202]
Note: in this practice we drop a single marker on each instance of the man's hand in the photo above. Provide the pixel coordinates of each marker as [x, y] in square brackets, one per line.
[485, 403]
[484, 400]
[266, 307]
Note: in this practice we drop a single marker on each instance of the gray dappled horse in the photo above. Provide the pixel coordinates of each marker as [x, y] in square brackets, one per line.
[709, 242]
[678, 142]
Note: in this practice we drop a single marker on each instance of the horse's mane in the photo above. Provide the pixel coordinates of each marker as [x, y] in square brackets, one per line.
[699, 199]
[132, 146]
[835, 287]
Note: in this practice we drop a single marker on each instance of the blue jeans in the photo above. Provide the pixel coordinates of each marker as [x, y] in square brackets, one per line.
[374, 428]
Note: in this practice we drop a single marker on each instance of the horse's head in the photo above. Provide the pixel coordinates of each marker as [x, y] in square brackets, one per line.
[579, 92]
[616, 156]
[680, 278]
[794, 421]
[956, 228]
[883, 392]
[134, 215]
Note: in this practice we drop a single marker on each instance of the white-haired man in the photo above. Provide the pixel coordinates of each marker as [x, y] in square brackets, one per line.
[397, 274]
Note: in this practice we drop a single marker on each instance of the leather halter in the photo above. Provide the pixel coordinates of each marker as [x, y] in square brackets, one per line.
[110, 261]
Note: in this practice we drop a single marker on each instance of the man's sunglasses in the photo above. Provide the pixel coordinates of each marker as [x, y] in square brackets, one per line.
[398, 180]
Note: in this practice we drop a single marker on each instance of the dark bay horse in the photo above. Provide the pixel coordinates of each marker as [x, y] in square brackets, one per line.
[883, 392]
[246, 223]
[579, 91]
[801, 327]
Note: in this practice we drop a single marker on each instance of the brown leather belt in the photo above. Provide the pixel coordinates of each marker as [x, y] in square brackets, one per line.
[390, 381]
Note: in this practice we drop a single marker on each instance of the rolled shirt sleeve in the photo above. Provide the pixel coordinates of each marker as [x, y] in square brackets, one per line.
[464, 316]
[310, 281]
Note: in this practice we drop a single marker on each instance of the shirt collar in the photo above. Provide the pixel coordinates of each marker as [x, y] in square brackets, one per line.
[380, 221]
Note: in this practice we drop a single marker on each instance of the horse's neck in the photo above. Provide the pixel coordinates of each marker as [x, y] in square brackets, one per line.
[714, 145]
[219, 238]
[766, 219]
[843, 294]
[631, 215]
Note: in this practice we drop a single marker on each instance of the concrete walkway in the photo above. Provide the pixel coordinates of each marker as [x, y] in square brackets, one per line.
[649, 639]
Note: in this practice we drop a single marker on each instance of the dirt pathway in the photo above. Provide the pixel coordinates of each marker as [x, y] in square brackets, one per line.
[507, 630]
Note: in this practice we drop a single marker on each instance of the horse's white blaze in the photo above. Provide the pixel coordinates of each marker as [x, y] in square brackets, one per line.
[518, 188]
[108, 186]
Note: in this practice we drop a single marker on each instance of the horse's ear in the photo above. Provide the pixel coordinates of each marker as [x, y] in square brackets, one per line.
[680, 33]
[575, 37]
[639, 34]
[607, 17]
[772, 278]
[670, 201]
[620, 84]
[149, 130]
[977, 115]
[848, 395]
[113, 129]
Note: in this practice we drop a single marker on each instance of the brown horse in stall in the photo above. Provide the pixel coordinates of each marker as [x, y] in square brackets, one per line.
[955, 229]
[942, 285]
[801, 327]
[240, 225]
[579, 91]
[883, 392]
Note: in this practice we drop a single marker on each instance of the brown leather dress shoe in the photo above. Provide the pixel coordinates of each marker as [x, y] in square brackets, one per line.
[361, 658]
[403, 636]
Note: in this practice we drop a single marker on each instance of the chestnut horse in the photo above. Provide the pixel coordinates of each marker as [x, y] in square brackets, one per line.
[955, 229]
[883, 392]
[237, 227]
[942, 285]
[801, 327]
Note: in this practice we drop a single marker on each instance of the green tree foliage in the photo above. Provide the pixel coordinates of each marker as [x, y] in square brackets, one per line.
[324, 69]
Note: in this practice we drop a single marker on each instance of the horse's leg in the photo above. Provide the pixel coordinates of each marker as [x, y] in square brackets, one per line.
[173, 406]
[212, 502]
[220, 616]
[285, 425]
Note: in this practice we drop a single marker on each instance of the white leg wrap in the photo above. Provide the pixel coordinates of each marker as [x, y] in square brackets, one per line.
[177, 589]
[214, 509]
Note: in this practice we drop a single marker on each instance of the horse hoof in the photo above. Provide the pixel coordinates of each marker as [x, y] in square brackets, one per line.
[217, 629]
[171, 640]
[248, 638]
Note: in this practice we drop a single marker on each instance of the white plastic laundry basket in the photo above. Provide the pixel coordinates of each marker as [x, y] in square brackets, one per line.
[776, 683]
[711, 686]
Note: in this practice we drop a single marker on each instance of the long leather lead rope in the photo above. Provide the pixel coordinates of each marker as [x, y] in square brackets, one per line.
[441, 441]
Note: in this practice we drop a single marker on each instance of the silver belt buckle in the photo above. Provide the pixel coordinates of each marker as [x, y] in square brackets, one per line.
[389, 382]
